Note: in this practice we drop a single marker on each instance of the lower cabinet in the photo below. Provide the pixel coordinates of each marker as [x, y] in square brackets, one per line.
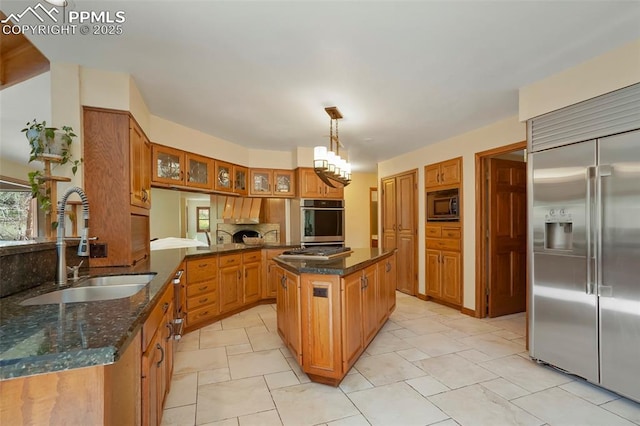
[270, 282]
[443, 263]
[288, 310]
[230, 282]
[252, 276]
[340, 316]
[201, 290]
[157, 358]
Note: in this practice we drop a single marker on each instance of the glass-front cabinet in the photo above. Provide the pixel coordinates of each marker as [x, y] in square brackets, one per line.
[199, 171]
[168, 165]
[269, 182]
[240, 180]
[223, 176]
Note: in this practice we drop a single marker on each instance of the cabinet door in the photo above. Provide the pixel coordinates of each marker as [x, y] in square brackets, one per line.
[309, 184]
[240, 180]
[451, 277]
[330, 192]
[139, 167]
[450, 172]
[294, 328]
[281, 303]
[391, 276]
[152, 376]
[252, 281]
[223, 176]
[370, 303]
[260, 182]
[389, 240]
[230, 283]
[433, 272]
[432, 175]
[352, 341]
[284, 183]
[167, 343]
[199, 171]
[168, 165]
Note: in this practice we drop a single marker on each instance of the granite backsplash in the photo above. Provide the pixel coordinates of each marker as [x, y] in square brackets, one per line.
[25, 266]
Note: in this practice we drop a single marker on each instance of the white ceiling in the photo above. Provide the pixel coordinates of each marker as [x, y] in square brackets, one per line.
[403, 74]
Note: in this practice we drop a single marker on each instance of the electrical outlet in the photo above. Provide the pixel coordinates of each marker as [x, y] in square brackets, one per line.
[98, 250]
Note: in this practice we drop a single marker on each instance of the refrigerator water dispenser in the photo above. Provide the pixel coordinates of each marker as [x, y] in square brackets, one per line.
[558, 235]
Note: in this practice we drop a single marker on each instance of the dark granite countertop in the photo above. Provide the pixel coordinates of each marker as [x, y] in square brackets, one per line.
[360, 258]
[46, 338]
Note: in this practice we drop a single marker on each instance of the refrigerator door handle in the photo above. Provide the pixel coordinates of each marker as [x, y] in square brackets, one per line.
[603, 290]
[591, 229]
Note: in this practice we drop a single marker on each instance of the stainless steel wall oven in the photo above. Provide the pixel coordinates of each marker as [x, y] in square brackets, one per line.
[318, 222]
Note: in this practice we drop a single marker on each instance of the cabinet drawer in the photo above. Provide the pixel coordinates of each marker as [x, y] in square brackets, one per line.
[442, 244]
[451, 233]
[252, 256]
[195, 289]
[201, 314]
[205, 299]
[157, 314]
[229, 260]
[201, 269]
[432, 231]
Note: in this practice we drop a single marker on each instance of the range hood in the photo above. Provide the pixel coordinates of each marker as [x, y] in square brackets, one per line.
[241, 211]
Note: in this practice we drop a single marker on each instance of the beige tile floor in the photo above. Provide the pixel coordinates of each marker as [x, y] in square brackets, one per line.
[428, 365]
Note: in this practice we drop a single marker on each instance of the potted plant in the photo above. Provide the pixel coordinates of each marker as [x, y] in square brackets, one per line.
[52, 144]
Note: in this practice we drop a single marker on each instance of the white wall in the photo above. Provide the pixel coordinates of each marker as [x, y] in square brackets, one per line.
[504, 132]
[603, 74]
[165, 214]
[356, 200]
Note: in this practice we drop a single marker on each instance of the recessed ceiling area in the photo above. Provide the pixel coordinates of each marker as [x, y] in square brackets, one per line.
[403, 74]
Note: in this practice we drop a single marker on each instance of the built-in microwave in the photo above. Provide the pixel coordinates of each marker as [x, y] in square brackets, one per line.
[443, 205]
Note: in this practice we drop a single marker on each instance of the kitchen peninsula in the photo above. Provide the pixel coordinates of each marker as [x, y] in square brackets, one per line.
[330, 310]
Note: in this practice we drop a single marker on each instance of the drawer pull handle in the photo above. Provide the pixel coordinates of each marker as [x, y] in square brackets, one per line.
[161, 354]
[203, 288]
[170, 327]
[204, 300]
[202, 265]
[165, 307]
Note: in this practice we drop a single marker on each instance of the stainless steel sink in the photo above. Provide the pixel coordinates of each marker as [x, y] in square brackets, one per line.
[117, 280]
[85, 294]
[95, 289]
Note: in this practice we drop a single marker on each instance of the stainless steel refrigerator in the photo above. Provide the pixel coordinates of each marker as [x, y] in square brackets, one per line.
[585, 255]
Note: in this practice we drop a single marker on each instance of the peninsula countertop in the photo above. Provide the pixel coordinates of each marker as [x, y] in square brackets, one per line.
[359, 258]
[46, 338]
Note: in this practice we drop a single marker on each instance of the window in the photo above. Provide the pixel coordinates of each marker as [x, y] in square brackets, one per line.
[18, 211]
[203, 223]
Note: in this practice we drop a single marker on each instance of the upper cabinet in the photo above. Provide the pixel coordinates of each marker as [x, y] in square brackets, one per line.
[310, 186]
[240, 180]
[443, 174]
[223, 176]
[271, 183]
[140, 170]
[179, 168]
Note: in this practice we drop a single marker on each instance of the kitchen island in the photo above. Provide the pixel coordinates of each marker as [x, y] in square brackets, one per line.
[330, 310]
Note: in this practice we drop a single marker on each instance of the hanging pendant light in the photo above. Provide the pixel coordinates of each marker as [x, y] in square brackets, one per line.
[328, 165]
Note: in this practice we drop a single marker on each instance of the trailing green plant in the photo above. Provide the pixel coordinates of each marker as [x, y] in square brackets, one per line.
[41, 138]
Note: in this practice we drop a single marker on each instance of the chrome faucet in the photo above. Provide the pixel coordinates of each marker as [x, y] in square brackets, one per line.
[83, 246]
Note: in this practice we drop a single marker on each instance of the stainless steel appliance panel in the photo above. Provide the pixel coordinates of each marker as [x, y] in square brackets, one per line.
[564, 307]
[619, 274]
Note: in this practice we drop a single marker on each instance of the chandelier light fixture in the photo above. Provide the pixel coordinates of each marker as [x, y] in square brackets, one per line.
[328, 165]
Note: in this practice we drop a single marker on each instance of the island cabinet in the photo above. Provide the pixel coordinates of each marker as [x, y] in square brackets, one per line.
[270, 273]
[288, 311]
[335, 316]
[201, 293]
[157, 358]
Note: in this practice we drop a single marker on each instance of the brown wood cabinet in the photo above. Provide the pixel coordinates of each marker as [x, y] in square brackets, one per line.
[223, 179]
[157, 358]
[201, 290]
[270, 273]
[310, 185]
[444, 174]
[252, 276]
[339, 316]
[288, 311]
[240, 180]
[400, 226]
[443, 262]
[230, 282]
[174, 167]
[272, 183]
[115, 178]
